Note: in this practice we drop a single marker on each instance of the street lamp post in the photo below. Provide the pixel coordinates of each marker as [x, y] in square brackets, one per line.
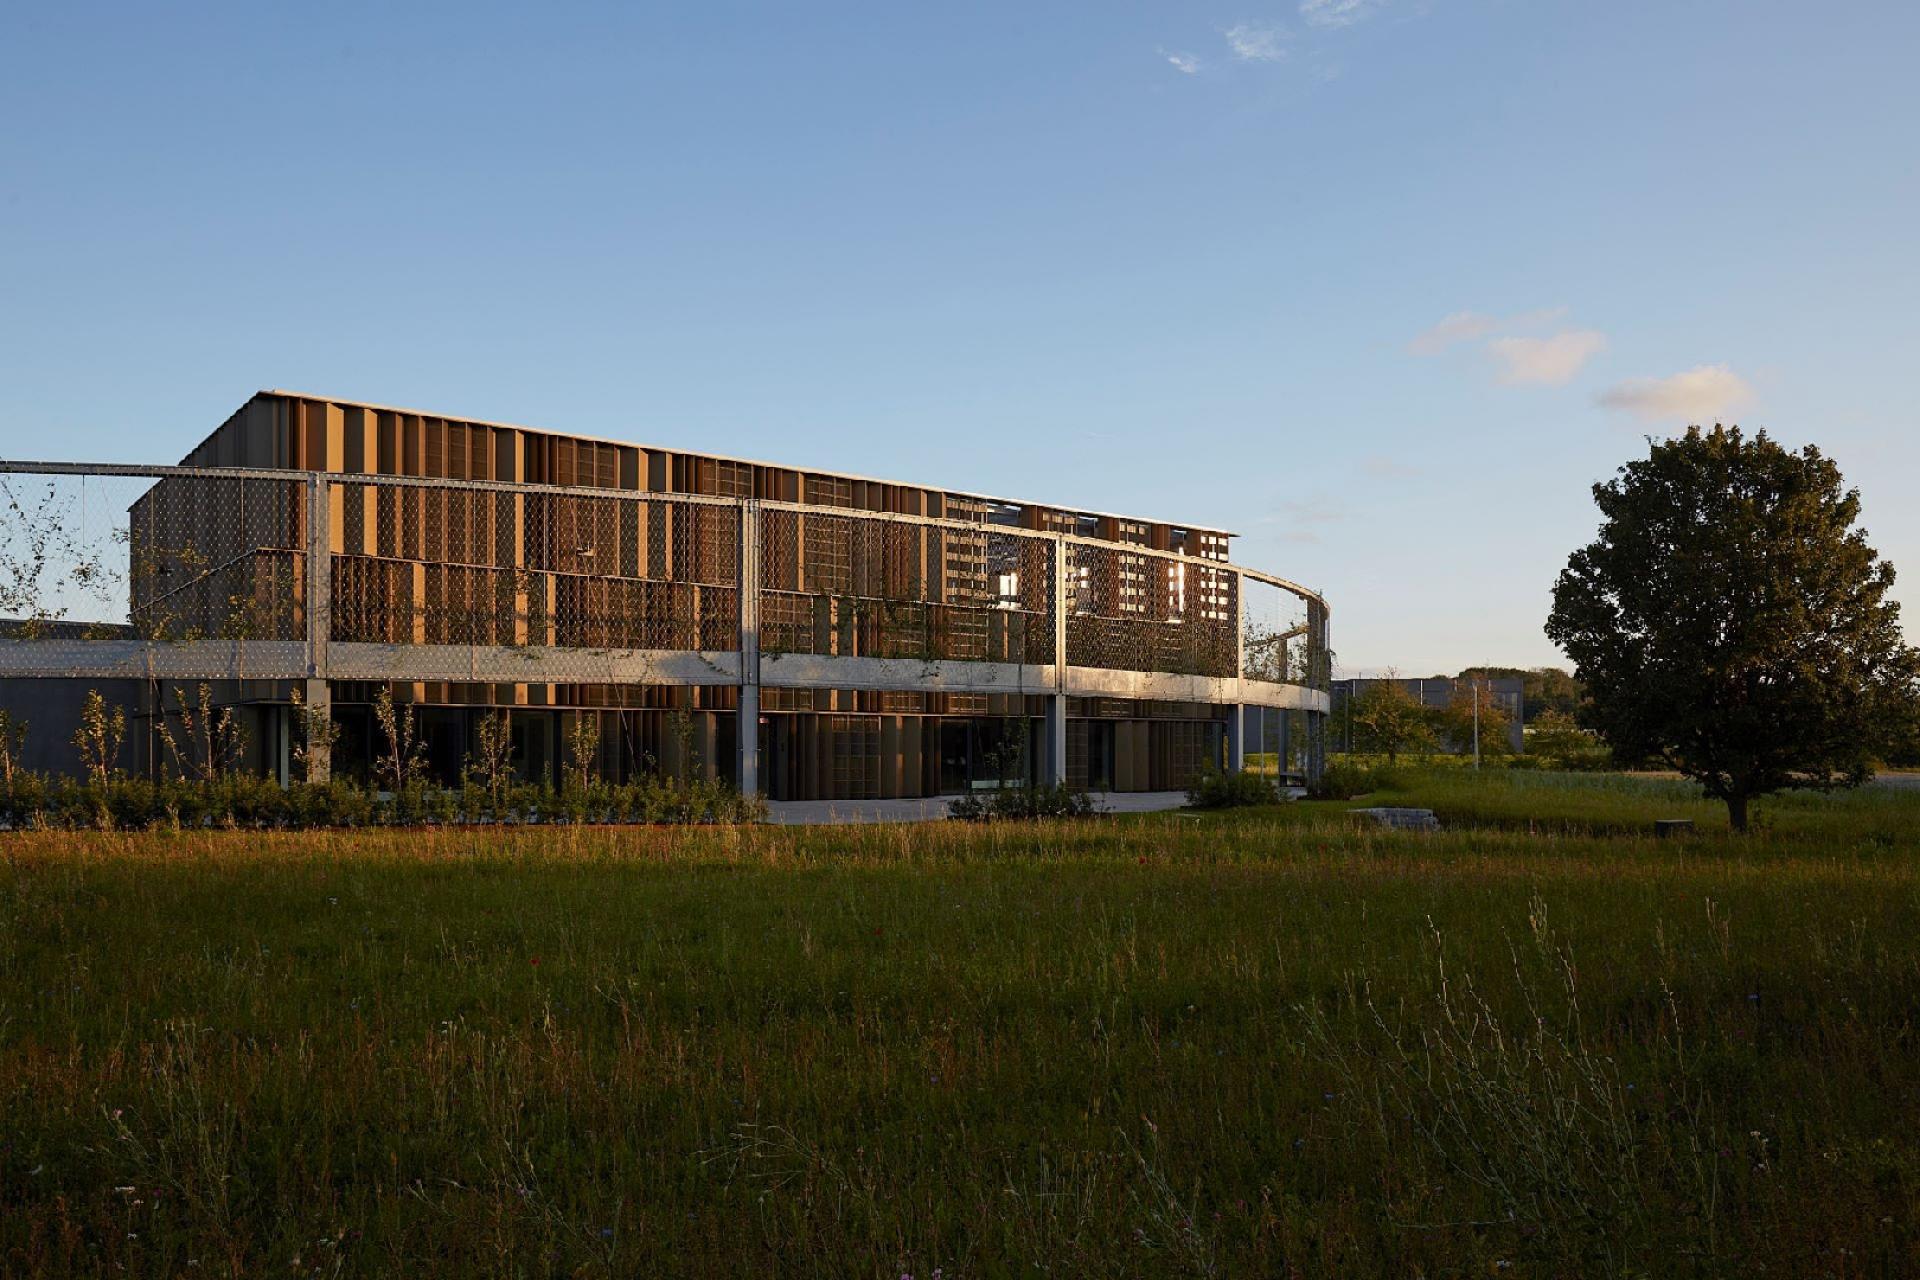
[1476, 722]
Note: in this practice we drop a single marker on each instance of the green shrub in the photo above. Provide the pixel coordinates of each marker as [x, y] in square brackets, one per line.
[1052, 801]
[1219, 789]
[1344, 780]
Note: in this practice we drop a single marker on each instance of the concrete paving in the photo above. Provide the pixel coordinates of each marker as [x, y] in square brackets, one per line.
[934, 808]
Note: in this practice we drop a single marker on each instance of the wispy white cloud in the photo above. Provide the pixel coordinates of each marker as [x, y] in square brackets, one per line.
[1693, 395]
[1551, 361]
[1301, 519]
[1185, 63]
[1337, 13]
[1471, 326]
[1257, 42]
[1461, 326]
[1539, 318]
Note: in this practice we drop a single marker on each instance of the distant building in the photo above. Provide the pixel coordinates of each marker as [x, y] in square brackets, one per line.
[1508, 693]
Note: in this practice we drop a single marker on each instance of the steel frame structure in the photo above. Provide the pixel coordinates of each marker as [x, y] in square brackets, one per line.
[1036, 619]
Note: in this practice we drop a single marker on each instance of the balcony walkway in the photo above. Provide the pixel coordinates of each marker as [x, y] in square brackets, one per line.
[933, 808]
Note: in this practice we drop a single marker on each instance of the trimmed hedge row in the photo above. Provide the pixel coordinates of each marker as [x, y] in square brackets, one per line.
[36, 800]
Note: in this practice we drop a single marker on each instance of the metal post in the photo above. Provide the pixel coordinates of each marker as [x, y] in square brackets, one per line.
[1055, 773]
[317, 702]
[1474, 685]
[748, 733]
[1240, 629]
[1237, 712]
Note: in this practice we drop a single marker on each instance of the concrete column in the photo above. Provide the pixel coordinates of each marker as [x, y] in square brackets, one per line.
[1316, 745]
[1283, 742]
[748, 734]
[1054, 768]
[1237, 739]
[317, 697]
[1060, 612]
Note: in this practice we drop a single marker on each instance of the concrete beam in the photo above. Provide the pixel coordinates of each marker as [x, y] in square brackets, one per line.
[143, 659]
[513, 664]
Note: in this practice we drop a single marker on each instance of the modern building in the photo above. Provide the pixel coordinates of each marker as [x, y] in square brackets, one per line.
[808, 634]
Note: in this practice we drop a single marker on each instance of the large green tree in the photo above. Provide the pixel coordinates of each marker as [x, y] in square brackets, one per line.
[1456, 721]
[1731, 622]
[1383, 717]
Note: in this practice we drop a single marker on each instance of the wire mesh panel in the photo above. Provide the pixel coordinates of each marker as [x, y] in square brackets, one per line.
[221, 557]
[208, 570]
[870, 585]
[191, 560]
[1134, 610]
[1279, 645]
[447, 564]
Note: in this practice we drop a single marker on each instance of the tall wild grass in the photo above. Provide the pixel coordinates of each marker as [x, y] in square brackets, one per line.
[1255, 1043]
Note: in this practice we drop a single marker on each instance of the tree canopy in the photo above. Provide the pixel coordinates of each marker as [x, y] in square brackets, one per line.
[1387, 719]
[1543, 689]
[1731, 622]
[1455, 721]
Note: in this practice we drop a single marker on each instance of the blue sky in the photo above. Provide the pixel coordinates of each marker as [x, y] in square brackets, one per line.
[1382, 285]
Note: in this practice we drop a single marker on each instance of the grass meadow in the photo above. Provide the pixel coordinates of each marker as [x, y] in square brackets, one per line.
[1539, 1043]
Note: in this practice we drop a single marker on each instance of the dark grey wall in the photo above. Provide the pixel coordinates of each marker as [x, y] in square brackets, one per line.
[52, 708]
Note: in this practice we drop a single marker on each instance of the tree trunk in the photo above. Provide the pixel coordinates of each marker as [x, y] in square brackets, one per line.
[1737, 812]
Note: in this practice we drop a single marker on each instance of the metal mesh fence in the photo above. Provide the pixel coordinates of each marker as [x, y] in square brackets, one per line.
[1138, 610]
[855, 584]
[1283, 639]
[212, 568]
[218, 558]
[417, 564]
[102, 571]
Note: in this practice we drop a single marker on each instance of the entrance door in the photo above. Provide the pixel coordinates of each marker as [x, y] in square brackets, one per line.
[956, 767]
[1100, 755]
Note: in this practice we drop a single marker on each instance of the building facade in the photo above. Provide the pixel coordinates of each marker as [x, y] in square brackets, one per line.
[806, 634]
